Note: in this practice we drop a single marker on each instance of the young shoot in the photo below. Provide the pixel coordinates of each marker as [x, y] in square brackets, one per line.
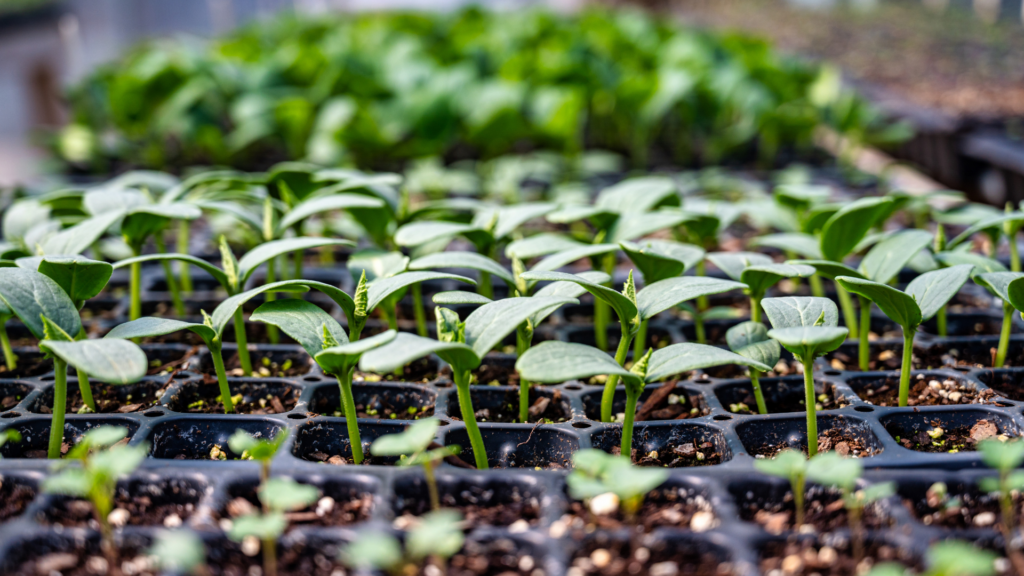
[999, 285]
[607, 482]
[924, 296]
[750, 340]
[413, 445]
[1005, 458]
[258, 449]
[277, 497]
[91, 471]
[807, 327]
[180, 552]
[791, 465]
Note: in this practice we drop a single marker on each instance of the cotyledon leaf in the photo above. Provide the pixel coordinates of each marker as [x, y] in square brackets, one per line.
[78, 238]
[268, 250]
[790, 311]
[805, 245]
[810, 340]
[510, 218]
[80, 277]
[541, 245]
[845, 229]
[151, 326]
[980, 263]
[661, 259]
[622, 305]
[573, 289]
[406, 348]
[319, 204]
[665, 294]
[885, 259]
[109, 360]
[760, 278]
[302, 320]
[419, 233]
[224, 312]
[344, 356]
[734, 263]
[998, 283]
[489, 324]
[993, 222]
[566, 257]
[932, 290]
[31, 295]
[641, 194]
[634, 225]
[829, 269]
[380, 289]
[679, 358]
[459, 297]
[1015, 292]
[470, 260]
[898, 306]
[214, 271]
[554, 361]
[751, 339]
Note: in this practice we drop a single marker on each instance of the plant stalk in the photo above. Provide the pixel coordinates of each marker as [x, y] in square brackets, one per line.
[417, 310]
[523, 338]
[799, 487]
[812, 412]
[172, 282]
[60, 401]
[242, 342]
[10, 358]
[602, 312]
[940, 321]
[1004, 335]
[863, 348]
[755, 382]
[183, 248]
[906, 366]
[856, 535]
[297, 257]
[815, 283]
[135, 306]
[632, 397]
[272, 332]
[390, 309]
[269, 557]
[348, 406]
[1014, 253]
[640, 340]
[755, 309]
[608, 396]
[485, 288]
[222, 378]
[85, 389]
[849, 314]
[702, 305]
[476, 441]
[428, 473]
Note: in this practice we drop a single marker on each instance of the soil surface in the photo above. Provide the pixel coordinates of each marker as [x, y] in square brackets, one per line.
[823, 510]
[248, 398]
[959, 511]
[14, 498]
[264, 366]
[544, 408]
[111, 399]
[479, 507]
[325, 512]
[798, 558]
[617, 558]
[377, 407]
[942, 439]
[28, 367]
[687, 455]
[780, 403]
[135, 510]
[421, 371]
[669, 403]
[925, 390]
[845, 443]
[669, 508]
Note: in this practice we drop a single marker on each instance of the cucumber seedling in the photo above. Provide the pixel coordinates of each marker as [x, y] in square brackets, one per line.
[596, 474]
[946, 558]
[1005, 458]
[998, 284]
[263, 451]
[413, 445]
[923, 298]
[437, 535]
[180, 552]
[758, 273]
[91, 471]
[750, 339]
[277, 497]
[807, 327]
[792, 466]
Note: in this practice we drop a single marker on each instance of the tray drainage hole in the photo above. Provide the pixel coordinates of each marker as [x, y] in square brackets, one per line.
[153, 413]
[580, 425]
[722, 418]
[312, 378]
[48, 378]
[1004, 405]
[702, 381]
[10, 415]
[296, 416]
[444, 422]
[443, 384]
[573, 387]
[864, 409]
[962, 368]
[831, 372]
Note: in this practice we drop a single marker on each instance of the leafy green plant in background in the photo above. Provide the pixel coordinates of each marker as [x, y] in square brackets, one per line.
[947, 558]
[758, 273]
[596, 473]
[924, 296]
[277, 496]
[413, 445]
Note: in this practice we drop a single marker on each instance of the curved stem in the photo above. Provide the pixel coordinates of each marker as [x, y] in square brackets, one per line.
[632, 396]
[849, 315]
[222, 378]
[864, 348]
[476, 441]
[428, 473]
[815, 283]
[60, 400]
[417, 310]
[484, 286]
[10, 358]
[908, 354]
[755, 382]
[172, 282]
[135, 307]
[608, 396]
[243, 342]
[85, 389]
[1004, 335]
[755, 309]
[812, 412]
[640, 340]
[348, 404]
[272, 332]
[183, 248]
[523, 338]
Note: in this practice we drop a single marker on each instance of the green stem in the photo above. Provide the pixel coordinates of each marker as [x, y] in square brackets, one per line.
[908, 355]
[172, 282]
[273, 335]
[428, 473]
[632, 396]
[855, 533]
[1004, 335]
[297, 263]
[702, 305]
[85, 389]
[755, 309]
[476, 441]
[799, 487]
[640, 340]
[523, 339]
[812, 413]
[216, 353]
[135, 307]
[242, 342]
[417, 310]
[1014, 254]
[816, 289]
[755, 382]
[269, 557]
[183, 248]
[849, 315]
[608, 397]
[602, 312]
[391, 314]
[10, 358]
[863, 348]
[485, 288]
[940, 321]
[348, 404]
[60, 401]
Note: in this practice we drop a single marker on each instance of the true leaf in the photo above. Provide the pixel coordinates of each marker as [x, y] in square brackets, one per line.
[662, 295]
[30, 295]
[793, 311]
[109, 360]
[553, 362]
[932, 290]
[301, 320]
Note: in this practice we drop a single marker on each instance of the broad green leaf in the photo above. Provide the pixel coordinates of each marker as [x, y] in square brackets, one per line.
[572, 289]
[109, 360]
[541, 245]
[81, 236]
[760, 278]
[750, 339]
[985, 224]
[214, 271]
[142, 221]
[1002, 456]
[810, 340]
[102, 437]
[319, 204]
[30, 295]
[21, 216]
[980, 263]
[268, 250]
[286, 495]
[998, 283]
[377, 264]
[460, 297]
[80, 277]
[831, 469]
[489, 324]
[251, 218]
[633, 225]
[262, 526]
[470, 260]
[801, 196]
[439, 533]
[661, 259]
[304, 321]
[119, 461]
[1014, 291]
[793, 311]
[384, 287]
[628, 481]
[337, 358]
[641, 194]
[178, 551]
[885, 259]
[70, 482]
[901, 308]
[623, 306]
[665, 294]
[829, 269]
[150, 326]
[845, 229]
[510, 218]
[406, 348]
[734, 263]
[787, 464]
[679, 358]
[932, 290]
[804, 245]
[419, 233]
[961, 558]
[416, 438]
[553, 362]
[566, 257]
[225, 311]
[372, 551]
[569, 214]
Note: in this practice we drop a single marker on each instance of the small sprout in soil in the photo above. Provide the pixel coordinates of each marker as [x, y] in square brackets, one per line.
[608, 483]
[258, 449]
[791, 465]
[413, 445]
[947, 558]
[91, 471]
[438, 536]
[9, 435]
[179, 552]
[277, 497]
[1005, 457]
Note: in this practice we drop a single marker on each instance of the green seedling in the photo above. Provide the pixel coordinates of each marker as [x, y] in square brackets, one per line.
[9, 435]
[263, 451]
[213, 327]
[994, 226]
[91, 471]
[413, 446]
[947, 558]
[750, 339]
[45, 308]
[180, 552]
[596, 473]
[1005, 458]
[463, 346]
[998, 284]
[556, 362]
[233, 274]
[791, 465]
[807, 327]
[633, 308]
[831, 469]
[277, 497]
[923, 298]
[438, 535]
[758, 272]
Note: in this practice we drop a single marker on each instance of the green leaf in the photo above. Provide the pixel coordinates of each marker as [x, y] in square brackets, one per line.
[875, 492]
[750, 339]
[21, 216]
[108, 360]
[980, 263]
[224, 312]
[831, 469]
[985, 224]
[337, 358]
[268, 250]
[178, 551]
[955, 557]
[420, 233]
[510, 218]
[372, 551]
[997, 283]
[623, 306]
[470, 260]
[554, 362]
[566, 257]
[81, 236]
[665, 294]
[628, 481]
[661, 259]
[214, 271]
[788, 464]
[103, 437]
[302, 320]
[569, 214]
[384, 287]
[760, 278]
[460, 297]
[901, 308]
[258, 449]
[439, 533]
[634, 225]
[70, 482]
[641, 194]
[79, 277]
[1002, 456]
[805, 245]
[687, 356]
[489, 324]
[406, 348]
[793, 311]
[541, 245]
[149, 327]
[932, 290]
[416, 438]
[31, 295]
[377, 264]
[572, 289]
[262, 526]
[734, 263]
[286, 495]
[319, 204]
[141, 222]
[810, 340]
[829, 269]
[885, 259]
[845, 229]
[801, 196]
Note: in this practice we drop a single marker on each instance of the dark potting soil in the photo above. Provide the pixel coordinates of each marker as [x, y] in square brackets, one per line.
[685, 455]
[110, 399]
[135, 510]
[479, 507]
[972, 509]
[247, 398]
[346, 460]
[622, 557]
[925, 390]
[804, 557]
[14, 498]
[844, 443]
[543, 408]
[377, 407]
[263, 366]
[1009, 384]
[824, 510]
[661, 508]
[82, 562]
[780, 403]
[420, 371]
[784, 367]
[667, 402]
[325, 512]
[27, 367]
[941, 439]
